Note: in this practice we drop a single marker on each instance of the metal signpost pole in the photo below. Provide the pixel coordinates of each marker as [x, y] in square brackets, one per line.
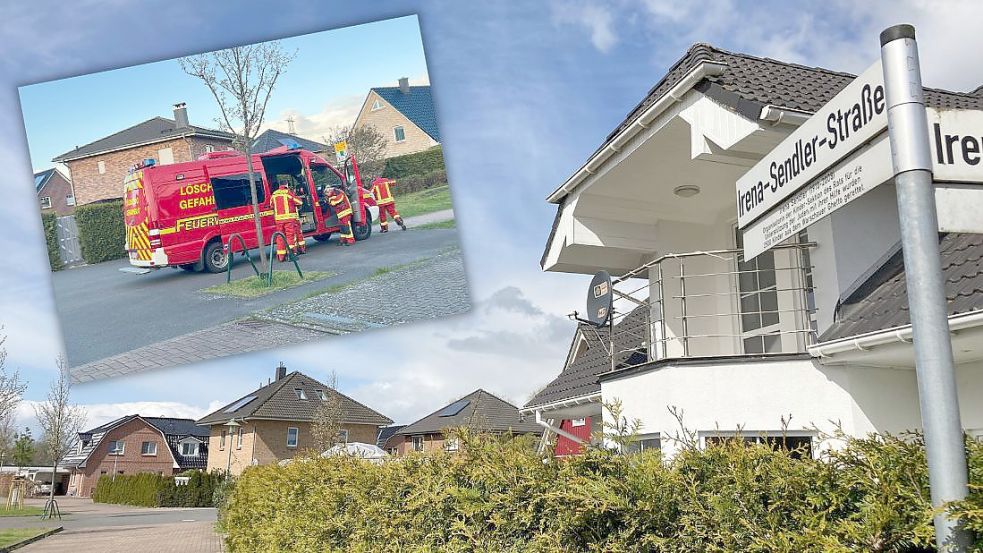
[911, 156]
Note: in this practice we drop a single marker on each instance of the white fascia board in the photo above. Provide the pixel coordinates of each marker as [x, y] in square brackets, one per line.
[864, 342]
[675, 94]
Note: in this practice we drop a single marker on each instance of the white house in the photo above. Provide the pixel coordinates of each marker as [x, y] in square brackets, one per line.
[810, 336]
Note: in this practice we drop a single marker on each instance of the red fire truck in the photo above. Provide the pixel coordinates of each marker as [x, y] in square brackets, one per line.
[182, 214]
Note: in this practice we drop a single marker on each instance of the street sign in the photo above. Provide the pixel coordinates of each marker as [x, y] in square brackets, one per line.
[341, 150]
[957, 157]
[853, 117]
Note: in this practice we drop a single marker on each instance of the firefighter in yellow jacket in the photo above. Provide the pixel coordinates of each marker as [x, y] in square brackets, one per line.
[287, 220]
[387, 204]
[342, 208]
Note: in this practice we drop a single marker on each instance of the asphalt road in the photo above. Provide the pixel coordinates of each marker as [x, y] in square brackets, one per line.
[104, 311]
[83, 513]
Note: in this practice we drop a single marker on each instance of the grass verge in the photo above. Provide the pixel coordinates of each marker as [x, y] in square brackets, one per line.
[22, 512]
[433, 199]
[255, 287]
[12, 536]
[450, 223]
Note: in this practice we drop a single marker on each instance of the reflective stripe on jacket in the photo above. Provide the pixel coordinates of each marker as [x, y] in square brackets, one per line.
[340, 204]
[380, 190]
[285, 205]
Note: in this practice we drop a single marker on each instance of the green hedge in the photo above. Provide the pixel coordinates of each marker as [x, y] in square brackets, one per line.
[102, 232]
[153, 490]
[415, 183]
[499, 495]
[50, 223]
[419, 163]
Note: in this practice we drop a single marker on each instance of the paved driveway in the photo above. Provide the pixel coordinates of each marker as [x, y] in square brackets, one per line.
[104, 312]
[97, 528]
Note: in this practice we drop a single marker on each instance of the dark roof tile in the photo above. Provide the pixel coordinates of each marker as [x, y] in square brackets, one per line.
[417, 106]
[483, 411]
[151, 130]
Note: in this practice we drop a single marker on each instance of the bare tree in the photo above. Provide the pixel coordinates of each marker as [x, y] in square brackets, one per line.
[326, 425]
[60, 421]
[368, 145]
[241, 79]
[11, 390]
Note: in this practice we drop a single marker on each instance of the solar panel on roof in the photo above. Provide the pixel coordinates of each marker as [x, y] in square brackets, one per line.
[454, 408]
[239, 404]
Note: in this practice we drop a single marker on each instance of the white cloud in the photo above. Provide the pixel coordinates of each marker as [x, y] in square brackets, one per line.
[338, 112]
[98, 414]
[596, 19]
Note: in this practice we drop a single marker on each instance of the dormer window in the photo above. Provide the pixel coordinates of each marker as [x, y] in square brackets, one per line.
[190, 447]
[321, 395]
[300, 393]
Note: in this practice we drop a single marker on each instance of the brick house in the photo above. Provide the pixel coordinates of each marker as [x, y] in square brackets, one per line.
[478, 410]
[275, 423]
[54, 192]
[135, 444]
[97, 169]
[404, 115]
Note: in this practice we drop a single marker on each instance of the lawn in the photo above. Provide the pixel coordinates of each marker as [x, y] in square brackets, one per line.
[424, 201]
[22, 512]
[254, 286]
[10, 536]
[450, 223]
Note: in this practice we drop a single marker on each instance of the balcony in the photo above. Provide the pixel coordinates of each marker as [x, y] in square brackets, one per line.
[714, 304]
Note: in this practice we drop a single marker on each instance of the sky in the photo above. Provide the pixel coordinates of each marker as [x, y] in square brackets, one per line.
[525, 92]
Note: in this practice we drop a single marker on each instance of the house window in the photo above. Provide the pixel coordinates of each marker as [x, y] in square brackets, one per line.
[300, 393]
[321, 395]
[239, 439]
[452, 444]
[646, 442]
[292, 437]
[69, 200]
[578, 422]
[417, 443]
[377, 105]
[209, 148]
[343, 436]
[189, 449]
[148, 448]
[798, 446]
[102, 167]
[165, 156]
[46, 202]
[399, 134]
[758, 297]
[221, 441]
[116, 447]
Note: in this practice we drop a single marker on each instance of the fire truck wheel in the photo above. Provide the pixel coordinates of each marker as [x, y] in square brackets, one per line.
[323, 237]
[215, 257]
[364, 230]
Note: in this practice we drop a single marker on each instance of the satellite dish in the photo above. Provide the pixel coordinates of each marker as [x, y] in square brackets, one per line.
[600, 296]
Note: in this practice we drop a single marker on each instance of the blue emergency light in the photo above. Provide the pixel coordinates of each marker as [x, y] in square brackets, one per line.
[149, 162]
[289, 143]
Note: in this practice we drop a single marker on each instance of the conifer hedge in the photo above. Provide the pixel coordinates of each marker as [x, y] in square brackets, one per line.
[102, 232]
[50, 223]
[154, 490]
[420, 163]
[498, 495]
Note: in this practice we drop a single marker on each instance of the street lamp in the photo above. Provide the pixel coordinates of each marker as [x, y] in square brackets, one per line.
[232, 425]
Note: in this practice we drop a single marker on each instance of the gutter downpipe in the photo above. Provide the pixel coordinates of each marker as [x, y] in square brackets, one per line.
[675, 94]
[550, 428]
[891, 336]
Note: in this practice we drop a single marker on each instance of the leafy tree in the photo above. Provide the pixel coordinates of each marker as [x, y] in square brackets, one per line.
[242, 79]
[24, 448]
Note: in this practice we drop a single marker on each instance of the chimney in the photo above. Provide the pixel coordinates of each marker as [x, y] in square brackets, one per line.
[404, 85]
[180, 115]
[281, 371]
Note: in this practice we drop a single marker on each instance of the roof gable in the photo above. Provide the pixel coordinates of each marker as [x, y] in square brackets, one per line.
[41, 179]
[279, 401]
[147, 132]
[416, 105]
[580, 378]
[479, 409]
